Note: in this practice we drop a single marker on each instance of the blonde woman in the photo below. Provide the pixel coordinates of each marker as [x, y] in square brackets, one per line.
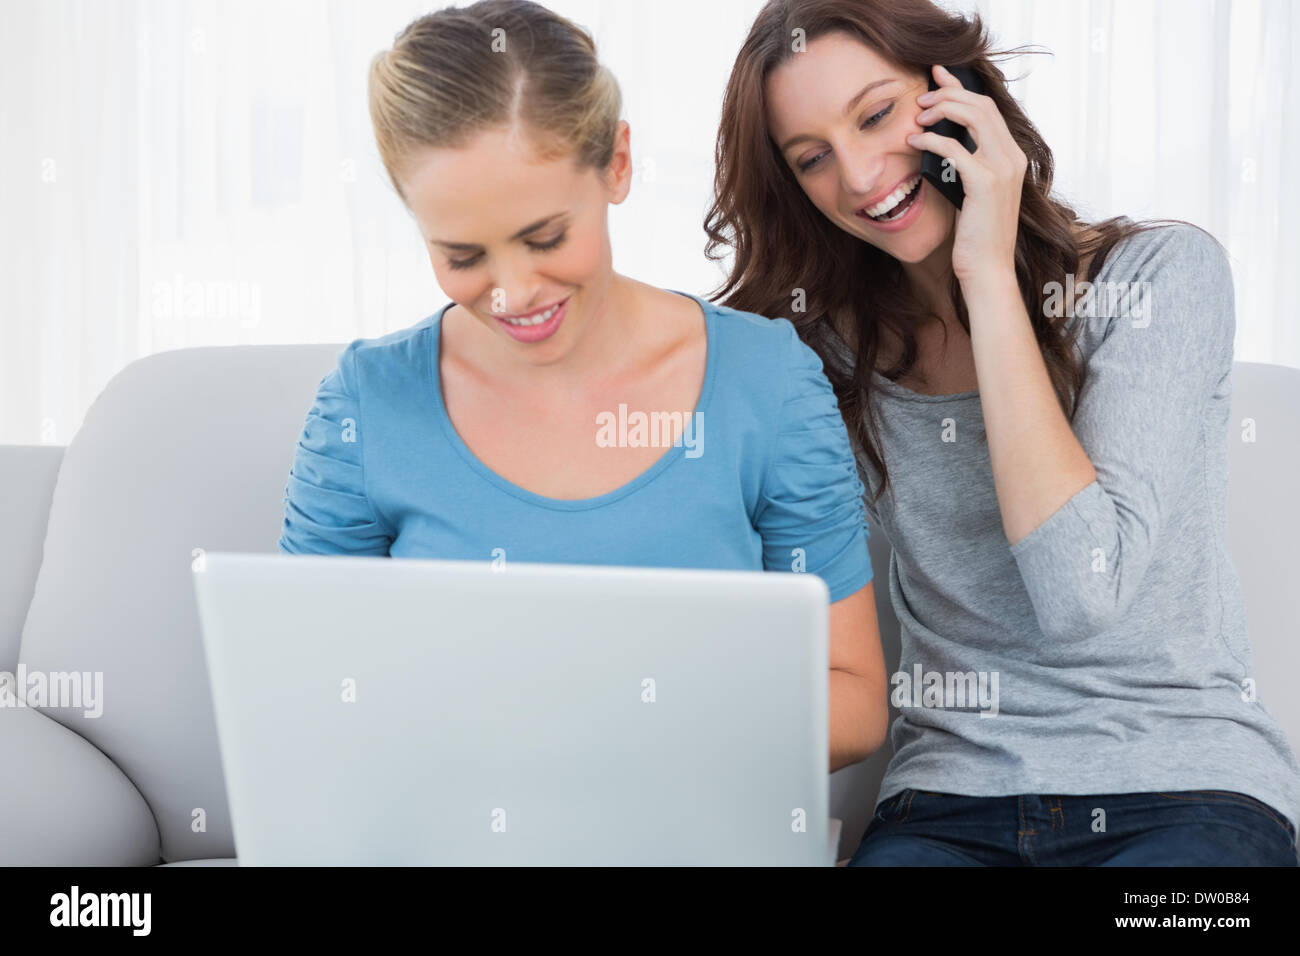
[514, 418]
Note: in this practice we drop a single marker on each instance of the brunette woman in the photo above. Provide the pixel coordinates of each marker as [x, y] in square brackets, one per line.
[1048, 463]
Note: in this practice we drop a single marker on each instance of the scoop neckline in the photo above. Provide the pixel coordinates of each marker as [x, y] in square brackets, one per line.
[889, 386]
[671, 454]
[902, 391]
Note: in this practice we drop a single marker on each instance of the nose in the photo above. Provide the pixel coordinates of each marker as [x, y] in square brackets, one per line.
[515, 290]
[862, 169]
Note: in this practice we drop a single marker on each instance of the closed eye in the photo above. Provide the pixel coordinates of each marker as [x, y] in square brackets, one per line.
[535, 246]
[870, 122]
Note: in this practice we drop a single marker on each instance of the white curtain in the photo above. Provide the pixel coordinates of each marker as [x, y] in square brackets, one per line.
[180, 174]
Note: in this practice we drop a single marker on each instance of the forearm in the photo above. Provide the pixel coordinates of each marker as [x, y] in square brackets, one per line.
[858, 719]
[1038, 464]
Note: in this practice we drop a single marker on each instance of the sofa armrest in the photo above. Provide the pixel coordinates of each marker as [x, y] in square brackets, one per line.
[27, 477]
[63, 802]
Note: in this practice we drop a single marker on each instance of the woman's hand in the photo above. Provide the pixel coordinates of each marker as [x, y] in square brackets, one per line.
[992, 177]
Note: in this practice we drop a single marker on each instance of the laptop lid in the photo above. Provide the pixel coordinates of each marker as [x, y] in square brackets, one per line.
[420, 712]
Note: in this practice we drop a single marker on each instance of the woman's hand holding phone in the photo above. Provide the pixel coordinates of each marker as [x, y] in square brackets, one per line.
[992, 176]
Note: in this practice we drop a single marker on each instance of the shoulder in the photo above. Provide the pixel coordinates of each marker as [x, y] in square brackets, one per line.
[779, 376]
[1163, 298]
[781, 383]
[768, 346]
[1163, 249]
[393, 345]
[1173, 276]
[383, 359]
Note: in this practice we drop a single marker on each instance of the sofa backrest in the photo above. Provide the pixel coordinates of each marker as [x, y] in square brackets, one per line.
[27, 476]
[1264, 528]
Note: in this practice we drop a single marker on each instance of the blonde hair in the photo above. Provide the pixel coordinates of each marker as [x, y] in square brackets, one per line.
[497, 64]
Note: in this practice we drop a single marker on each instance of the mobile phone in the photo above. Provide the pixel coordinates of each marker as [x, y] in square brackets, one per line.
[948, 182]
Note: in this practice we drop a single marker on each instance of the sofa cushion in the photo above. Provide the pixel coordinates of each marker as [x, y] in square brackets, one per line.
[65, 803]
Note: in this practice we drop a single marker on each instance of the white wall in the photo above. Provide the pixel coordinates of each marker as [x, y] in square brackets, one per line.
[151, 146]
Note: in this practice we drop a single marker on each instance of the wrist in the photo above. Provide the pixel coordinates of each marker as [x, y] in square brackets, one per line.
[989, 280]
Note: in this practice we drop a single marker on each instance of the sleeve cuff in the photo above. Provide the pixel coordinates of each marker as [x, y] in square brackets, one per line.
[850, 577]
[1066, 530]
[1072, 598]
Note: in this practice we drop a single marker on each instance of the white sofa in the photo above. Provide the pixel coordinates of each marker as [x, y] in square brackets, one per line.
[190, 449]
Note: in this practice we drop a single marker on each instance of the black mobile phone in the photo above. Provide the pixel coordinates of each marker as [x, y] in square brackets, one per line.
[946, 180]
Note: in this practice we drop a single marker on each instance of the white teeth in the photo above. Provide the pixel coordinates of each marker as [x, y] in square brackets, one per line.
[535, 320]
[893, 199]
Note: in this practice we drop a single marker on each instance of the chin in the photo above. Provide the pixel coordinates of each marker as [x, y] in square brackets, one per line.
[914, 255]
[916, 249]
[922, 241]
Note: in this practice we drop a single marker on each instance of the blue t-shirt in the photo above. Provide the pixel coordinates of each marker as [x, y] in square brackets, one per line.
[762, 476]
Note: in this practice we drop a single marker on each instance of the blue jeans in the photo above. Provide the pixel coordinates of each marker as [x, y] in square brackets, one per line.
[1183, 828]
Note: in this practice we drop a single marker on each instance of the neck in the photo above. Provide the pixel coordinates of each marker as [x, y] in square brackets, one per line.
[929, 279]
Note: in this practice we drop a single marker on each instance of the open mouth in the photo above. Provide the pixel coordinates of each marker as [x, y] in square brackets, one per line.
[537, 319]
[536, 327]
[895, 206]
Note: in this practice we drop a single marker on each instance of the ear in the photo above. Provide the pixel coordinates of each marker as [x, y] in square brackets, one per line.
[618, 175]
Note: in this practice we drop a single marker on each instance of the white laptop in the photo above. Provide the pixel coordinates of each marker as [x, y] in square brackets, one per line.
[386, 711]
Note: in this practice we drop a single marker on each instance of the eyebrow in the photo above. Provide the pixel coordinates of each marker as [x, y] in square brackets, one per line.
[469, 246]
[848, 108]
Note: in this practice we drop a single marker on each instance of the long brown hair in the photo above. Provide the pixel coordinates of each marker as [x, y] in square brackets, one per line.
[783, 243]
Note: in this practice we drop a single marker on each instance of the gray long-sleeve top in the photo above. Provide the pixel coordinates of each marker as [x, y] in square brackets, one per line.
[1116, 630]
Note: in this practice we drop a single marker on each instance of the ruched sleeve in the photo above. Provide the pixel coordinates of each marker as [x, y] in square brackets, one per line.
[810, 512]
[326, 510]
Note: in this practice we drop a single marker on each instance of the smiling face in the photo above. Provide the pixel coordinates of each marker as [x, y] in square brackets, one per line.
[510, 236]
[848, 148]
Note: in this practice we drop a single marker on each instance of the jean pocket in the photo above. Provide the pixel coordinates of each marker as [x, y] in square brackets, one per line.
[888, 810]
[1234, 798]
